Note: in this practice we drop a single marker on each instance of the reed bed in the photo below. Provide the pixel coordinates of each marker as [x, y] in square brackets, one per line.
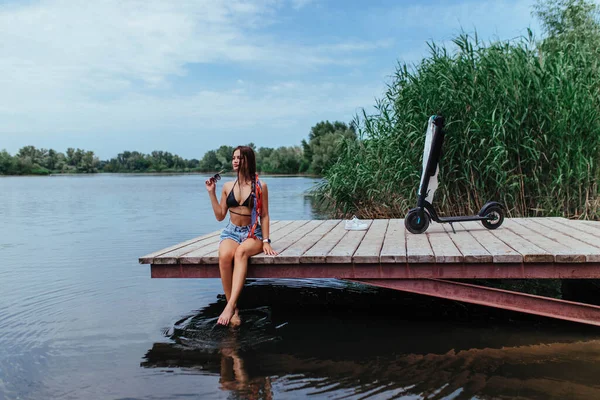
[522, 127]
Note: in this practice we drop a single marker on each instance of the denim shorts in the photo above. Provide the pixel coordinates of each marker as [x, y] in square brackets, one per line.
[239, 233]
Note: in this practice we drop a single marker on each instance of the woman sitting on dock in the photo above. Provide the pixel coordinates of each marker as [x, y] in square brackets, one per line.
[247, 233]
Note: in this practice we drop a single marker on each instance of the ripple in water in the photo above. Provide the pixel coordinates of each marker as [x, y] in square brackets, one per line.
[202, 333]
[334, 339]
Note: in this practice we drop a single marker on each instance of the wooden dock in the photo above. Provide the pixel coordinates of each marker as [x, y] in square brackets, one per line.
[389, 256]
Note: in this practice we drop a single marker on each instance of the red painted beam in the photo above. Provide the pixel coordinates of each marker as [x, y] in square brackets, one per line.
[392, 271]
[515, 301]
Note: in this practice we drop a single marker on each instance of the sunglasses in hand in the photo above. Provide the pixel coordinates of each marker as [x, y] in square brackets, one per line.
[216, 177]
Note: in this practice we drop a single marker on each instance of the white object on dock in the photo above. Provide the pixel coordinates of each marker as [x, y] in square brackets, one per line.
[355, 224]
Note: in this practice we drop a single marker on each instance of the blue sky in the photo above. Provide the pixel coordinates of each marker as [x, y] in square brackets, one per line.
[189, 76]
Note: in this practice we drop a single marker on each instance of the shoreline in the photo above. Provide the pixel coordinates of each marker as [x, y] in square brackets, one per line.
[157, 173]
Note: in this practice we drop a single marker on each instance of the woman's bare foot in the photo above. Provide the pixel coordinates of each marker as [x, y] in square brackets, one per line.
[235, 319]
[226, 315]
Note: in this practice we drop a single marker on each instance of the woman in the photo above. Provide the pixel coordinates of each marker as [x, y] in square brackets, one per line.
[247, 233]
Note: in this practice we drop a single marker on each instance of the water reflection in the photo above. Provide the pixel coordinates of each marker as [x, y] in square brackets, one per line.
[201, 345]
[235, 378]
[352, 349]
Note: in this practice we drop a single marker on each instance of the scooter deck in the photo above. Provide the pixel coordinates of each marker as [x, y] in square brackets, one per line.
[462, 218]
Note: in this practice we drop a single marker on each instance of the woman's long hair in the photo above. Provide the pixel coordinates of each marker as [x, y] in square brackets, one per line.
[247, 170]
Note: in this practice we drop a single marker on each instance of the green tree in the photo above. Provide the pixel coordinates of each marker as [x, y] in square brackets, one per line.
[137, 162]
[70, 156]
[24, 165]
[324, 144]
[209, 162]
[327, 152]
[224, 155]
[262, 159]
[89, 163]
[111, 166]
[568, 20]
[178, 163]
[307, 156]
[36, 156]
[290, 159]
[74, 156]
[283, 160]
[193, 163]
[51, 160]
[160, 160]
[7, 163]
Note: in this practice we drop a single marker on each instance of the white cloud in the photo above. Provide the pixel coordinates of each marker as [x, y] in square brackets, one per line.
[58, 41]
[107, 66]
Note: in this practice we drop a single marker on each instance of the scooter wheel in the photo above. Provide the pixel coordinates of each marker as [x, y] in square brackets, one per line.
[496, 217]
[415, 223]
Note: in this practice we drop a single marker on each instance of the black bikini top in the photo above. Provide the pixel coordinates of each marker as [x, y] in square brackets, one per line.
[232, 202]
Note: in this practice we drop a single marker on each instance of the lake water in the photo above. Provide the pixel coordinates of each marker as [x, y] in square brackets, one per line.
[81, 319]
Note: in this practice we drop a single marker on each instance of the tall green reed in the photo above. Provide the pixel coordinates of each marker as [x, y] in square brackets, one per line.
[522, 127]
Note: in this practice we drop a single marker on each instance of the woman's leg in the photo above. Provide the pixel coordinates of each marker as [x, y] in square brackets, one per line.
[226, 254]
[246, 250]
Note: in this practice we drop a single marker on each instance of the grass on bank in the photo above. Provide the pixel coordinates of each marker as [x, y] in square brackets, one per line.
[522, 127]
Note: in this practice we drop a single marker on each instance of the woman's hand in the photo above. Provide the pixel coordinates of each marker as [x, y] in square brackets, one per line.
[268, 250]
[211, 185]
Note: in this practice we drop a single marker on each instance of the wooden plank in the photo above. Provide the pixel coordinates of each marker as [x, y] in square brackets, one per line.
[293, 253]
[173, 257]
[595, 224]
[444, 249]
[589, 227]
[275, 234]
[499, 251]
[318, 253]
[343, 251]
[538, 240]
[210, 253]
[369, 249]
[529, 251]
[418, 249]
[569, 230]
[148, 258]
[560, 252]
[393, 249]
[286, 241]
[576, 248]
[170, 254]
[471, 249]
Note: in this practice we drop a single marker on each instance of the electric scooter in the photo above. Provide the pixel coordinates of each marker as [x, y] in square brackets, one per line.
[417, 220]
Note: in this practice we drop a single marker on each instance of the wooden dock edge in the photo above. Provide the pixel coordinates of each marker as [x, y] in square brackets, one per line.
[390, 271]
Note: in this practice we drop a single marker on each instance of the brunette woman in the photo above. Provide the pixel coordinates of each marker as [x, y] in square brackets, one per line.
[247, 233]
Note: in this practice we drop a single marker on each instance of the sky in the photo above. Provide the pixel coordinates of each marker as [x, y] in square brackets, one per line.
[189, 76]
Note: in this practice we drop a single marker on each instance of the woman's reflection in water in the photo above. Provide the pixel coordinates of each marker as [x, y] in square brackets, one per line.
[361, 354]
[235, 378]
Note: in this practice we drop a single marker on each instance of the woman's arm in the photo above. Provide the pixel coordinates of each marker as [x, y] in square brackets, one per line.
[265, 220]
[220, 209]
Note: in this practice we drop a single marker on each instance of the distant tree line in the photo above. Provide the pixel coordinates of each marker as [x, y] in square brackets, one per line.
[33, 161]
[326, 142]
